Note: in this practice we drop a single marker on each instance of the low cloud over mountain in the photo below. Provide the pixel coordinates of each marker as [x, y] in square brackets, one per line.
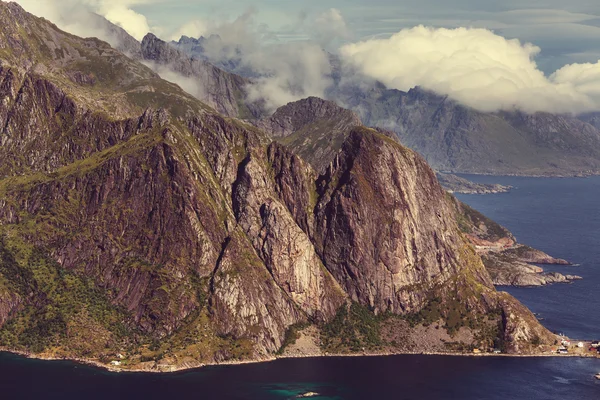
[474, 66]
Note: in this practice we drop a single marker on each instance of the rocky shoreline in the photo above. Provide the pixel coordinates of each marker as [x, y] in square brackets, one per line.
[514, 266]
[173, 369]
[455, 184]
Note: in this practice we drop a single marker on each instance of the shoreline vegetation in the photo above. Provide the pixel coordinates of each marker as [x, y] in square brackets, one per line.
[165, 369]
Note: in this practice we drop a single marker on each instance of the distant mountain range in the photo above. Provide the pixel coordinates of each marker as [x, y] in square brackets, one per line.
[453, 137]
[456, 138]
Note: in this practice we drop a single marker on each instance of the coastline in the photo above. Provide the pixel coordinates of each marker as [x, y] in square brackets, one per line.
[174, 369]
[515, 175]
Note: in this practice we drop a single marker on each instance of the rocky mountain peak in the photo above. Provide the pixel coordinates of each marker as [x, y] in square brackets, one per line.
[301, 114]
[313, 128]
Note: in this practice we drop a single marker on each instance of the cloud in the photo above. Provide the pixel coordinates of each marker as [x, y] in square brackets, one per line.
[281, 71]
[289, 72]
[474, 66]
[74, 15]
[120, 13]
[585, 78]
[194, 29]
[193, 86]
[329, 27]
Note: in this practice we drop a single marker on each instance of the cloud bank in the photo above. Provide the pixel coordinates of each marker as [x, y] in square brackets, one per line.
[476, 67]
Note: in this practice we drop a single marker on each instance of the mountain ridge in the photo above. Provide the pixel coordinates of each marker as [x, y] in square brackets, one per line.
[176, 236]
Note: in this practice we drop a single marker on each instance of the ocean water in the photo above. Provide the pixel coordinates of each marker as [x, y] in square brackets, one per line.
[349, 378]
[560, 216]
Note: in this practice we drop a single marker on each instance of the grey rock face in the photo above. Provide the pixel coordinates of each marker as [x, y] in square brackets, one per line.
[313, 128]
[456, 138]
[223, 91]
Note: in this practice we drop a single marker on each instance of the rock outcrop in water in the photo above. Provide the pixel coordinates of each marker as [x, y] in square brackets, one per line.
[508, 262]
[456, 184]
[135, 219]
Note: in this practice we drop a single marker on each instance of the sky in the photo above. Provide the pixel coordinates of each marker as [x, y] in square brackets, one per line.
[566, 31]
[535, 55]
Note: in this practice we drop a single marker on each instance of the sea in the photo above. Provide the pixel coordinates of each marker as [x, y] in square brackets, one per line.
[559, 216]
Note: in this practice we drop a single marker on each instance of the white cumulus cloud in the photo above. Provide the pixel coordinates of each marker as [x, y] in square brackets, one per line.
[72, 15]
[474, 66]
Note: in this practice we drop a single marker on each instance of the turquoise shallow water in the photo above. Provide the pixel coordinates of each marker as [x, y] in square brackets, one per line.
[559, 216]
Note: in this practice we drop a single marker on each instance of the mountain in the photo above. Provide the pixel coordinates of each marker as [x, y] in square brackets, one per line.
[224, 91]
[456, 138]
[136, 220]
[452, 137]
[214, 50]
[313, 128]
[116, 36]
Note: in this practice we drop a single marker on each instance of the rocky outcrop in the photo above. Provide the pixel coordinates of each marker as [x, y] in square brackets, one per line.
[506, 270]
[533, 256]
[313, 128]
[508, 262]
[456, 184]
[285, 248]
[383, 225]
[520, 331]
[246, 302]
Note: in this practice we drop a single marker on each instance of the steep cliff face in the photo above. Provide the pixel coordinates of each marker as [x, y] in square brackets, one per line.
[282, 244]
[384, 226]
[148, 224]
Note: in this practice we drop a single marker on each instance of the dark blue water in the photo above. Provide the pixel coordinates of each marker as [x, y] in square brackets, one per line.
[559, 216]
[368, 378]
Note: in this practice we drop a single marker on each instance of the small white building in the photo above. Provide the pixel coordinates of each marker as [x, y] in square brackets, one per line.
[580, 345]
[116, 363]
